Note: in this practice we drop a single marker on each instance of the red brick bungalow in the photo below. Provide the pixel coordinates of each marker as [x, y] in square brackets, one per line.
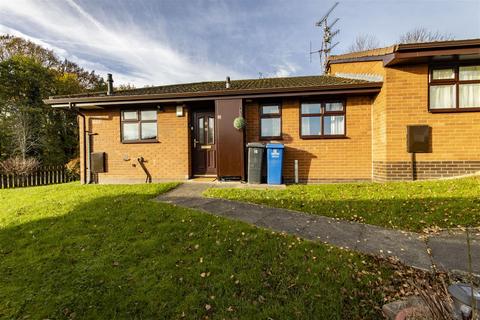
[350, 124]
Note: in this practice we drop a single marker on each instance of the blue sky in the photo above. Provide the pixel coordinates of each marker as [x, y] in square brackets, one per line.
[151, 42]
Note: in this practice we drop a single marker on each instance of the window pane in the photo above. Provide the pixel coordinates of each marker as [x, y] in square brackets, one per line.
[311, 108]
[149, 130]
[470, 73]
[211, 131]
[270, 127]
[442, 97]
[148, 115]
[130, 131]
[336, 106]
[469, 95]
[271, 109]
[333, 125]
[201, 130]
[442, 74]
[311, 126]
[130, 115]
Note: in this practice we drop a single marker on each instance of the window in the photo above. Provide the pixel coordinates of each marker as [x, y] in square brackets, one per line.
[454, 88]
[322, 119]
[270, 121]
[139, 126]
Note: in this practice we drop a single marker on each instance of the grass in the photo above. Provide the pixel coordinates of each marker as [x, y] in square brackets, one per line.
[410, 206]
[109, 252]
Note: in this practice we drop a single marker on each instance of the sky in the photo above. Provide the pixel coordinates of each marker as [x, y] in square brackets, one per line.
[155, 42]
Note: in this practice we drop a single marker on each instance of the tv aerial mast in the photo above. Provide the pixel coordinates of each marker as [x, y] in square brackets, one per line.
[328, 35]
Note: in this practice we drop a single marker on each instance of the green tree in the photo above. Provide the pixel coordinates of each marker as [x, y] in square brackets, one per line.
[28, 74]
[24, 83]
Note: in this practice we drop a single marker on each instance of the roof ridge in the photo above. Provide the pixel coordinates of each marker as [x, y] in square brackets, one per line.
[276, 83]
[186, 84]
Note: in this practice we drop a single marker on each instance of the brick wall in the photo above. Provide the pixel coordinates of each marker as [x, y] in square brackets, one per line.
[166, 160]
[402, 170]
[378, 111]
[322, 159]
[455, 143]
[403, 101]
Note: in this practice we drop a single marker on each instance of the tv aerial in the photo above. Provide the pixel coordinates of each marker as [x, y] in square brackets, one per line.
[328, 35]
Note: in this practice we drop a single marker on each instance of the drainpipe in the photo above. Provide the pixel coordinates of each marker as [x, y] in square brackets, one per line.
[86, 150]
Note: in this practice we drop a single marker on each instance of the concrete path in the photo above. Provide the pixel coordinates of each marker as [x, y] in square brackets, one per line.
[447, 251]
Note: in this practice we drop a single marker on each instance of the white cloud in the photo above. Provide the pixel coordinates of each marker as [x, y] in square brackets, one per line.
[120, 47]
[284, 70]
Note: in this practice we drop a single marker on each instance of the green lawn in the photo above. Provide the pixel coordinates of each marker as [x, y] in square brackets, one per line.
[109, 252]
[400, 205]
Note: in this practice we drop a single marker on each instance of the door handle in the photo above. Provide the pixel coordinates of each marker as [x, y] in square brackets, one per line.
[195, 141]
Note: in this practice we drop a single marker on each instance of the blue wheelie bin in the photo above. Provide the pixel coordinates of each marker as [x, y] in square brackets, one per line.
[274, 163]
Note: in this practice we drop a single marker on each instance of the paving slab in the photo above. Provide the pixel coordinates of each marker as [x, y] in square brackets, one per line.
[247, 213]
[339, 233]
[410, 248]
[451, 252]
[190, 202]
[284, 221]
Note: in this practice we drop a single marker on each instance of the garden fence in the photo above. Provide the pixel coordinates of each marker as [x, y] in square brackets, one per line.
[42, 176]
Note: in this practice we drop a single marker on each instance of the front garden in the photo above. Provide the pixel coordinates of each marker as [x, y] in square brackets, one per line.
[110, 252]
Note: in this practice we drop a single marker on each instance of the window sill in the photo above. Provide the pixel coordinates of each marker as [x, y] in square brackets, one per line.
[270, 138]
[456, 110]
[324, 137]
[140, 141]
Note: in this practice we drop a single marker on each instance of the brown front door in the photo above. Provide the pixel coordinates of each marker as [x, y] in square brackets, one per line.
[204, 149]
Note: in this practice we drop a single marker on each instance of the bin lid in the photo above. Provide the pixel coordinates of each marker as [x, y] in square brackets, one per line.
[275, 146]
[255, 145]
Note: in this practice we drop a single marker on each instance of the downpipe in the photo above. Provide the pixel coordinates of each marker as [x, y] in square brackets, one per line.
[86, 145]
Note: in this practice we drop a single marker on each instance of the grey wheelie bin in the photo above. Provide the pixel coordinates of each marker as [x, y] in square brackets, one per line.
[255, 160]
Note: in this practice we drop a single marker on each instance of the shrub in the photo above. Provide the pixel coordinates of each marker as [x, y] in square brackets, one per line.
[18, 165]
[73, 168]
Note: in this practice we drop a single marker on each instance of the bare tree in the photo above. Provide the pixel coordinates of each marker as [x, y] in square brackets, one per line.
[421, 34]
[17, 165]
[364, 42]
[24, 136]
[126, 86]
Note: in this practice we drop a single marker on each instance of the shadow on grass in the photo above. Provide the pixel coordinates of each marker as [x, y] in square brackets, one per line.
[131, 258]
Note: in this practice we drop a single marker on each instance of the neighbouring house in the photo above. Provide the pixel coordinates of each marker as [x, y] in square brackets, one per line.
[348, 125]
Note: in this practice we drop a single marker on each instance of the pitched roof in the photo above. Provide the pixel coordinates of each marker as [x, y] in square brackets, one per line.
[235, 85]
[381, 53]
[360, 54]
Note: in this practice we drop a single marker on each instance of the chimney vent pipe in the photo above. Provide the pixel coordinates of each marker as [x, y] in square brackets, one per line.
[227, 83]
[109, 84]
